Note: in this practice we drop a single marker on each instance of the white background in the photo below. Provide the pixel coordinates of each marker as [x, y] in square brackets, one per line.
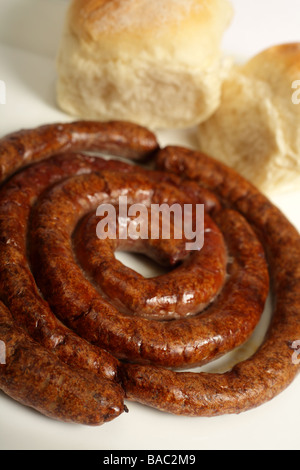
[29, 36]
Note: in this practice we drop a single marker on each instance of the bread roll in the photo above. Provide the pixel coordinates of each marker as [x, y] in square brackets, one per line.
[155, 62]
[256, 128]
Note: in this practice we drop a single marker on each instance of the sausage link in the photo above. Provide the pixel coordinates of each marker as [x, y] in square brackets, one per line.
[115, 138]
[173, 295]
[271, 369]
[17, 285]
[34, 377]
[79, 304]
[18, 290]
[40, 208]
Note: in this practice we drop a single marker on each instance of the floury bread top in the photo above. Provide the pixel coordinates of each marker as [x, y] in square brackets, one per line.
[156, 63]
[255, 129]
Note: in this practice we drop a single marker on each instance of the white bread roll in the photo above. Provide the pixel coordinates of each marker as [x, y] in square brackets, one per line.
[155, 62]
[256, 128]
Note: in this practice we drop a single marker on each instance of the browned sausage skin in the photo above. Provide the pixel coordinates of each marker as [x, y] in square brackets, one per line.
[240, 213]
[115, 138]
[271, 369]
[18, 289]
[77, 302]
[186, 290]
[34, 377]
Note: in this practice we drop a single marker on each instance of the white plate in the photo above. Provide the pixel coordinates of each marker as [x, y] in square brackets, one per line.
[29, 33]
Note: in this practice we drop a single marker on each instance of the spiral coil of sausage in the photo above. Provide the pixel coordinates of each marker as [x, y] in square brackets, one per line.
[83, 333]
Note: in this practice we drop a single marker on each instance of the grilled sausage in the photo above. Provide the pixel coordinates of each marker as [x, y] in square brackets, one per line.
[271, 369]
[115, 138]
[186, 290]
[96, 339]
[34, 377]
[18, 289]
[78, 303]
